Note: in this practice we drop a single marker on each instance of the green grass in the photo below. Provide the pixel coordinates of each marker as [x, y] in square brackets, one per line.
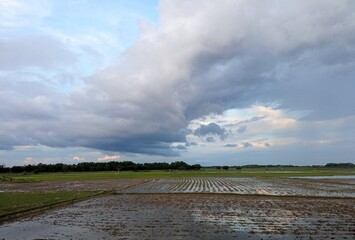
[247, 172]
[12, 203]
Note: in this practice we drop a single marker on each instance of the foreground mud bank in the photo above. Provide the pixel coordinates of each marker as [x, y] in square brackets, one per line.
[191, 216]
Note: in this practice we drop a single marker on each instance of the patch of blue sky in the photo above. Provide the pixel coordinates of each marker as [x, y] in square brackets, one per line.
[97, 33]
[119, 18]
[242, 113]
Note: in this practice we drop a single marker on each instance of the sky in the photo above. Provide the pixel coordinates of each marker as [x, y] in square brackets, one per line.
[229, 82]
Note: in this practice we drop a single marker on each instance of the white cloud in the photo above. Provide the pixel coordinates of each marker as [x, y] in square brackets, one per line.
[28, 161]
[108, 158]
[19, 13]
[19, 52]
[24, 148]
[275, 119]
[78, 158]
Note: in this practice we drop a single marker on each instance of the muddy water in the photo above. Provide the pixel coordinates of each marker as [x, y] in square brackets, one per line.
[191, 216]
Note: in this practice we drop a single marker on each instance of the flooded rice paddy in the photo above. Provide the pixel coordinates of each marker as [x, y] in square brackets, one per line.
[194, 208]
[248, 186]
[191, 216]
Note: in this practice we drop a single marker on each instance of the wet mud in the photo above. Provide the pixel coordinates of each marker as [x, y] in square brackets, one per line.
[193, 208]
[77, 185]
[191, 216]
[259, 186]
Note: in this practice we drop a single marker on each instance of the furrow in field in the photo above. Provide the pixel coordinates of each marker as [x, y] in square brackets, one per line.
[208, 184]
[176, 184]
[228, 186]
[215, 187]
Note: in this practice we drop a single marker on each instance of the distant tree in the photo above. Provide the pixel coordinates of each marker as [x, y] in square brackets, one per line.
[218, 167]
[17, 169]
[339, 165]
[3, 169]
[225, 167]
[100, 166]
[196, 167]
[180, 165]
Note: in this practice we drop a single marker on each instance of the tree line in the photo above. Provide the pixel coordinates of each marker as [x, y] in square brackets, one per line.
[131, 166]
[339, 165]
[99, 166]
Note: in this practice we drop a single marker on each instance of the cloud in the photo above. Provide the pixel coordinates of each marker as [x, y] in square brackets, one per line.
[180, 147]
[78, 158]
[19, 13]
[242, 129]
[6, 147]
[210, 139]
[28, 161]
[19, 52]
[202, 58]
[108, 157]
[247, 144]
[253, 119]
[211, 128]
[188, 144]
[231, 145]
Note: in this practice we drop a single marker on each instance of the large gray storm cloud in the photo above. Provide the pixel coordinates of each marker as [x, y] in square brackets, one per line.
[202, 57]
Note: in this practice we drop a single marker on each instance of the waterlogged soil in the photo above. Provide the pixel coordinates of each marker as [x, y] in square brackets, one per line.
[69, 185]
[257, 186]
[194, 208]
[254, 186]
[192, 216]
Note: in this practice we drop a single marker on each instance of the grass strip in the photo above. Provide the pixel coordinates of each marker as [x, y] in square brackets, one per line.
[14, 205]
